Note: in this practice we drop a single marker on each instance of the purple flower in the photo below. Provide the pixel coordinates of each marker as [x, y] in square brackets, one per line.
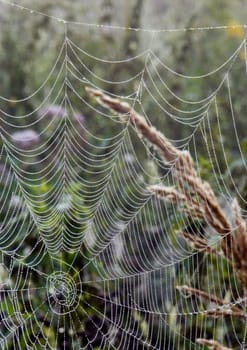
[26, 138]
[52, 111]
[79, 118]
[58, 112]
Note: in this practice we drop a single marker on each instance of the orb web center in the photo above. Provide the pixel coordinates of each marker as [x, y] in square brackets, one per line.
[62, 292]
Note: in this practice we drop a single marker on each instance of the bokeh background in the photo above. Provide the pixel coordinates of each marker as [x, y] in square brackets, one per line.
[29, 46]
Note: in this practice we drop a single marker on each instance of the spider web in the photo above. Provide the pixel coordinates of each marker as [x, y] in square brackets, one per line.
[89, 258]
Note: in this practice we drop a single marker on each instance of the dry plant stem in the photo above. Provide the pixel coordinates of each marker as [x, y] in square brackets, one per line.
[168, 151]
[240, 245]
[224, 313]
[180, 161]
[232, 310]
[195, 197]
[200, 293]
[212, 344]
[199, 243]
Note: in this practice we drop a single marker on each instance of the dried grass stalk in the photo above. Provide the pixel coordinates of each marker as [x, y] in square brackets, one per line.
[194, 196]
[212, 344]
[225, 309]
[202, 294]
[224, 313]
[199, 243]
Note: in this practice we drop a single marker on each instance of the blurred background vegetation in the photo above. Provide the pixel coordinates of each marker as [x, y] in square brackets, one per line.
[29, 46]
